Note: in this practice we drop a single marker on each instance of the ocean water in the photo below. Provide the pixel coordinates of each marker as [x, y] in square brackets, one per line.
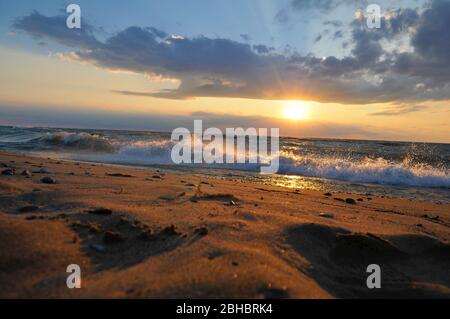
[392, 169]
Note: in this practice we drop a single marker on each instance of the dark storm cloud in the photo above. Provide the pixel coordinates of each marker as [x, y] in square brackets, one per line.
[432, 38]
[215, 67]
[40, 26]
[262, 49]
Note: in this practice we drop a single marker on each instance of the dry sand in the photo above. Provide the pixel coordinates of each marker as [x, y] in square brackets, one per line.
[166, 237]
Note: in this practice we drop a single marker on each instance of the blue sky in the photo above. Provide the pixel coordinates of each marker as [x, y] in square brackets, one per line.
[231, 19]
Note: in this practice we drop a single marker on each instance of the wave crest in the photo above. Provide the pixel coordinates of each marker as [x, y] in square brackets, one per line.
[81, 141]
[367, 170]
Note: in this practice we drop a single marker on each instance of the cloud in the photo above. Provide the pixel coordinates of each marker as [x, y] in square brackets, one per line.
[245, 37]
[262, 49]
[338, 34]
[282, 16]
[322, 5]
[400, 110]
[318, 38]
[40, 26]
[334, 23]
[218, 67]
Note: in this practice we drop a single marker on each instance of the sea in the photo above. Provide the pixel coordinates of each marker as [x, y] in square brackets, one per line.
[408, 170]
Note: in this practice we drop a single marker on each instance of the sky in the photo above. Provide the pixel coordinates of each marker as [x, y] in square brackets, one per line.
[310, 67]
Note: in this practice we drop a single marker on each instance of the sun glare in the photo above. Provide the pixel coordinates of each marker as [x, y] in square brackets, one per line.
[296, 110]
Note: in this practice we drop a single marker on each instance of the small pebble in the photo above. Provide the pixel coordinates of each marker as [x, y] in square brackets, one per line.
[28, 209]
[8, 172]
[202, 231]
[100, 211]
[48, 180]
[26, 173]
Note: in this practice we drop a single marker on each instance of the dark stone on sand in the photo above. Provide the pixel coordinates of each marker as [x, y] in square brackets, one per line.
[32, 217]
[3, 165]
[202, 231]
[44, 171]
[328, 194]
[326, 215]
[111, 237]
[339, 199]
[119, 175]
[170, 231]
[172, 197]
[100, 211]
[147, 235]
[8, 172]
[360, 200]
[430, 217]
[48, 180]
[350, 201]
[156, 176]
[26, 173]
[28, 209]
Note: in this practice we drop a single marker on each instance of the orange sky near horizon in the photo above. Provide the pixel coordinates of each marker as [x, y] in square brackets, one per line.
[35, 80]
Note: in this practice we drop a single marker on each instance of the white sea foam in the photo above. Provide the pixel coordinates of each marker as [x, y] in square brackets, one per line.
[399, 164]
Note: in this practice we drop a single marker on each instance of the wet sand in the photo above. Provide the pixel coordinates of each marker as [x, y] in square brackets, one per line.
[151, 234]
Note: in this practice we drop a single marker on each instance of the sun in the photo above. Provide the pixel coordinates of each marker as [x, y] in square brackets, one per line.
[296, 110]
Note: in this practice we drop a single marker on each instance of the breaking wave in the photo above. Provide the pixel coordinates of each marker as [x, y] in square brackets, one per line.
[385, 163]
[81, 141]
[367, 170]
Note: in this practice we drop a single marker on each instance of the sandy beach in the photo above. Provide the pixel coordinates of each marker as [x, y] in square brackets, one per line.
[151, 234]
